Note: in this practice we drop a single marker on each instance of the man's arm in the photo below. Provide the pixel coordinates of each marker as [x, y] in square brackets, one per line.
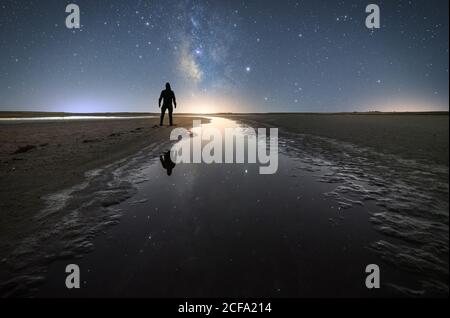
[174, 100]
[160, 99]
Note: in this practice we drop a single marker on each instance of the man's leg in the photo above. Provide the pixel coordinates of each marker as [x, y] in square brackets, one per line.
[170, 115]
[163, 111]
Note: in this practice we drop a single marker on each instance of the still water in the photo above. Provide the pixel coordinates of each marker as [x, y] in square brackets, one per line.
[207, 230]
[225, 230]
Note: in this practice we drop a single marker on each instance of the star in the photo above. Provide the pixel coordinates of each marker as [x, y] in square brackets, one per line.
[292, 52]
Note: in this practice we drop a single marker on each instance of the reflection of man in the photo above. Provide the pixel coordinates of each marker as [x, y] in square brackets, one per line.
[167, 162]
[167, 96]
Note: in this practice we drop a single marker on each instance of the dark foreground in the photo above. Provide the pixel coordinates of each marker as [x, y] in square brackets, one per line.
[310, 230]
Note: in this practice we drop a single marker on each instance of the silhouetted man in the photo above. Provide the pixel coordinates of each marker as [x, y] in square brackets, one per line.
[167, 162]
[167, 96]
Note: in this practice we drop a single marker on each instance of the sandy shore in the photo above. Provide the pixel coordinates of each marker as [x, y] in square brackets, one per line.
[310, 229]
[422, 137]
[351, 190]
[39, 158]
[397, 161]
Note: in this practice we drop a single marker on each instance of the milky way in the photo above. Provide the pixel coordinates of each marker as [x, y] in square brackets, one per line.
[248, 56]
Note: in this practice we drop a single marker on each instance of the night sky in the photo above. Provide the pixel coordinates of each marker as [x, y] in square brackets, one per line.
[224, 55]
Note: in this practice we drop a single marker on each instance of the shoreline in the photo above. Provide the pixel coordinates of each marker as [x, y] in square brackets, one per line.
[37, 115]
[355, 185]
[356, 197]
[417, 136]
[38, 159]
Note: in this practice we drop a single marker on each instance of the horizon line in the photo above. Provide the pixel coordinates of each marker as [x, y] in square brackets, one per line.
[227, 113]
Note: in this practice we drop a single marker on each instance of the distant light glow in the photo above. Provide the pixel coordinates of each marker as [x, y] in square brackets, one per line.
[121, 58]
[405, 105]
[87, 105]
[203, 104]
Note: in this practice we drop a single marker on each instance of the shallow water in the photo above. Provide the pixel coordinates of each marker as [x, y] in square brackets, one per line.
[226, 230]
[411, 211]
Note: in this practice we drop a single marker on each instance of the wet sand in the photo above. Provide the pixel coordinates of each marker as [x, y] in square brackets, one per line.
[398, 162]
[336, 205]
[250, 235]
[225, 231]
[415, 136]
[40, 158]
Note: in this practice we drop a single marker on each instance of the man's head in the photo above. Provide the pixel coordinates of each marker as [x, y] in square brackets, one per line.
[168, 87]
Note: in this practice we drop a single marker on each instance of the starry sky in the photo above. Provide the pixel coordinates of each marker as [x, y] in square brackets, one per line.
[224, 56]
